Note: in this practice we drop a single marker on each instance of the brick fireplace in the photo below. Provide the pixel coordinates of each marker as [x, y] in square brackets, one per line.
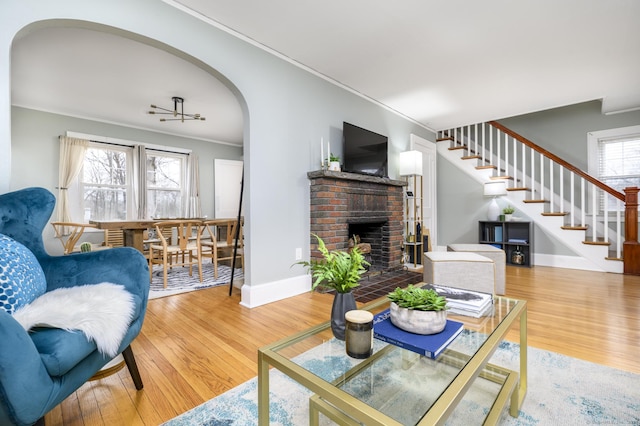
[346, 203]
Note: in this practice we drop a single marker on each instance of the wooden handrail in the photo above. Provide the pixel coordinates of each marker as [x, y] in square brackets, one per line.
[619, 195]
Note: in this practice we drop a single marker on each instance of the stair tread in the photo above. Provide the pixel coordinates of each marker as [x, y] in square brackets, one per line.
[575, 228]
[457, 147]
[501, 178]
[597, 243]
[485, 167]
[471, 157]
[448, 138]
[554, 213]
[535, 201]
[519, 188]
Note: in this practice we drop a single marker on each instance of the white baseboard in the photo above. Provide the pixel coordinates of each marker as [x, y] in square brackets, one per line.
[257, 295]
[568, 262]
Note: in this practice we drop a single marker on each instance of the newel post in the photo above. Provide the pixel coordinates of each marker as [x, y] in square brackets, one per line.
[631, 247]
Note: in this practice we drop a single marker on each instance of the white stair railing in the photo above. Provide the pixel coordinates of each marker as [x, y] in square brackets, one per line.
[564, 191]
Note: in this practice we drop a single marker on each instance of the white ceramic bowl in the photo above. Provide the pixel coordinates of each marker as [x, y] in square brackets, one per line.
[418, 322]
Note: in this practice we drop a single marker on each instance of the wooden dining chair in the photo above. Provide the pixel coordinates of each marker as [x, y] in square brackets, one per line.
[113, 238]
[70, 233]
[149, 237]
[183, 252]
[218, 245]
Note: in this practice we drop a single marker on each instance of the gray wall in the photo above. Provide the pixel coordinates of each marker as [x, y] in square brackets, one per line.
[287, 110]
[563, 131]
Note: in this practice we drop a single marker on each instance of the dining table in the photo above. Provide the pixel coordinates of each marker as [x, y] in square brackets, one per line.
[133, 230]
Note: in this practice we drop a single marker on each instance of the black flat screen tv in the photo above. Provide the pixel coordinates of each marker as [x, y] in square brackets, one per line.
[365, 152]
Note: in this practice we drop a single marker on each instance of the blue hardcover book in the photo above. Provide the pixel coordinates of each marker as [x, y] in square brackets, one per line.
[498, 233]
[428, 345]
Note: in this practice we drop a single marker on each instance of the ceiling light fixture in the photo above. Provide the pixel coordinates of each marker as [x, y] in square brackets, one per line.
[178, 115]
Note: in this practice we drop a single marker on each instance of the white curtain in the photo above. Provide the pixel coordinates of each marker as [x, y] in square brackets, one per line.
[140, 181]
[193, 187]
[72, 152]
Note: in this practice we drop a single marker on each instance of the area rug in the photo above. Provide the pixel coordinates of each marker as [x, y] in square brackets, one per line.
[562, 391]
[179, 281]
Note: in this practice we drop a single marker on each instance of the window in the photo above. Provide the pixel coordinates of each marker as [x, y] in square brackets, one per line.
[107, 187]
[614, 158]
[165, 184]
[105, 183]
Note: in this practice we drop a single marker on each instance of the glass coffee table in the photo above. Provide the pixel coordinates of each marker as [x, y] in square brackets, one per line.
[396, 386]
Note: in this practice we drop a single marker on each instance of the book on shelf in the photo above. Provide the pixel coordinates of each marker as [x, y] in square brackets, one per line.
[464, 302]
[430, 345]
[518, 240]
[497, 233]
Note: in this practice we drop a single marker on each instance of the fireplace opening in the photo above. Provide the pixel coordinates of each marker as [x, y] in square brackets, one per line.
[371, 234]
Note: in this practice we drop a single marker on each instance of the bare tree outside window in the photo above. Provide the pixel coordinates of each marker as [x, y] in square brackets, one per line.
[105, 184]
[164, 185]
[619, 165]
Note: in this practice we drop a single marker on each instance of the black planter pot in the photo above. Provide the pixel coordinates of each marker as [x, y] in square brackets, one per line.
[342, 303]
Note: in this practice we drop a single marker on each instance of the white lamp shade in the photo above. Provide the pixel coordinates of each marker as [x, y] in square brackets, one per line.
[411, 163]
[493, 189]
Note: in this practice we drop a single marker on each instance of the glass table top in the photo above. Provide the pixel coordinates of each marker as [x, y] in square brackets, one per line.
[397, 382]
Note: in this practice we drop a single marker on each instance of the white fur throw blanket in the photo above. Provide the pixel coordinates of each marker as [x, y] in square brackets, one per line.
[102, 312]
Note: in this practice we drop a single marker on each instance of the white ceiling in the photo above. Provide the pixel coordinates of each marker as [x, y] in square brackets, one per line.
[440, 63]
[105, 77]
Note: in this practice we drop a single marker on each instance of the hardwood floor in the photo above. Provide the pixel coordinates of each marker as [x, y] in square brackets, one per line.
[198, 345]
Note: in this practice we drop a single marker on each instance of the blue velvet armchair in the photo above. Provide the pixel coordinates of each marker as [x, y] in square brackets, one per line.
[39, 369]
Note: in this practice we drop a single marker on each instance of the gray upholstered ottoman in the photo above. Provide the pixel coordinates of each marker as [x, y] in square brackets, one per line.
[493, 253]
[464, 270]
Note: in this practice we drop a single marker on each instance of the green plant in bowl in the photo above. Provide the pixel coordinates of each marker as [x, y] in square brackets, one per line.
[419, 299]
[508, 210]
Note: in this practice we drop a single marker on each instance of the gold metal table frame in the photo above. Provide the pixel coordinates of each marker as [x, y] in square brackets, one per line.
[335, 402]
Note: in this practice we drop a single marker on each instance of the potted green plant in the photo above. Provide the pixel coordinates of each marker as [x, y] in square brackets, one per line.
[508, 212]
[340, 271]
[334, 163]
[418, 310]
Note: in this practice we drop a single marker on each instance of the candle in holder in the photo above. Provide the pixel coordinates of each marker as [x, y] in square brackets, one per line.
[321, 153]
[359, 333]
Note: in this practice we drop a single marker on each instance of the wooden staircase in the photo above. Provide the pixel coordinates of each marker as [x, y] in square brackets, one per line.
[560, 198]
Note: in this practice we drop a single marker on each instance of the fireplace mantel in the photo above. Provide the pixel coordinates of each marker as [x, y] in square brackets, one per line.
[355, 177]
[340, 200]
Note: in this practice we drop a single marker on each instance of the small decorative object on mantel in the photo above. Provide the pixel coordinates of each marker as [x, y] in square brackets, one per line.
[418, 310]
[334, 163]
[340, 271]
[508, 213]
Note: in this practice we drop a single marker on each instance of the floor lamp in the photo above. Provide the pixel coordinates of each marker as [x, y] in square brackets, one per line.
[494, 190]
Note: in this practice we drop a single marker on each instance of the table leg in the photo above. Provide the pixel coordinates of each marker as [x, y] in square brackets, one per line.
[317, 405]
[263, 390]
[134, 238]
[517, 397]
